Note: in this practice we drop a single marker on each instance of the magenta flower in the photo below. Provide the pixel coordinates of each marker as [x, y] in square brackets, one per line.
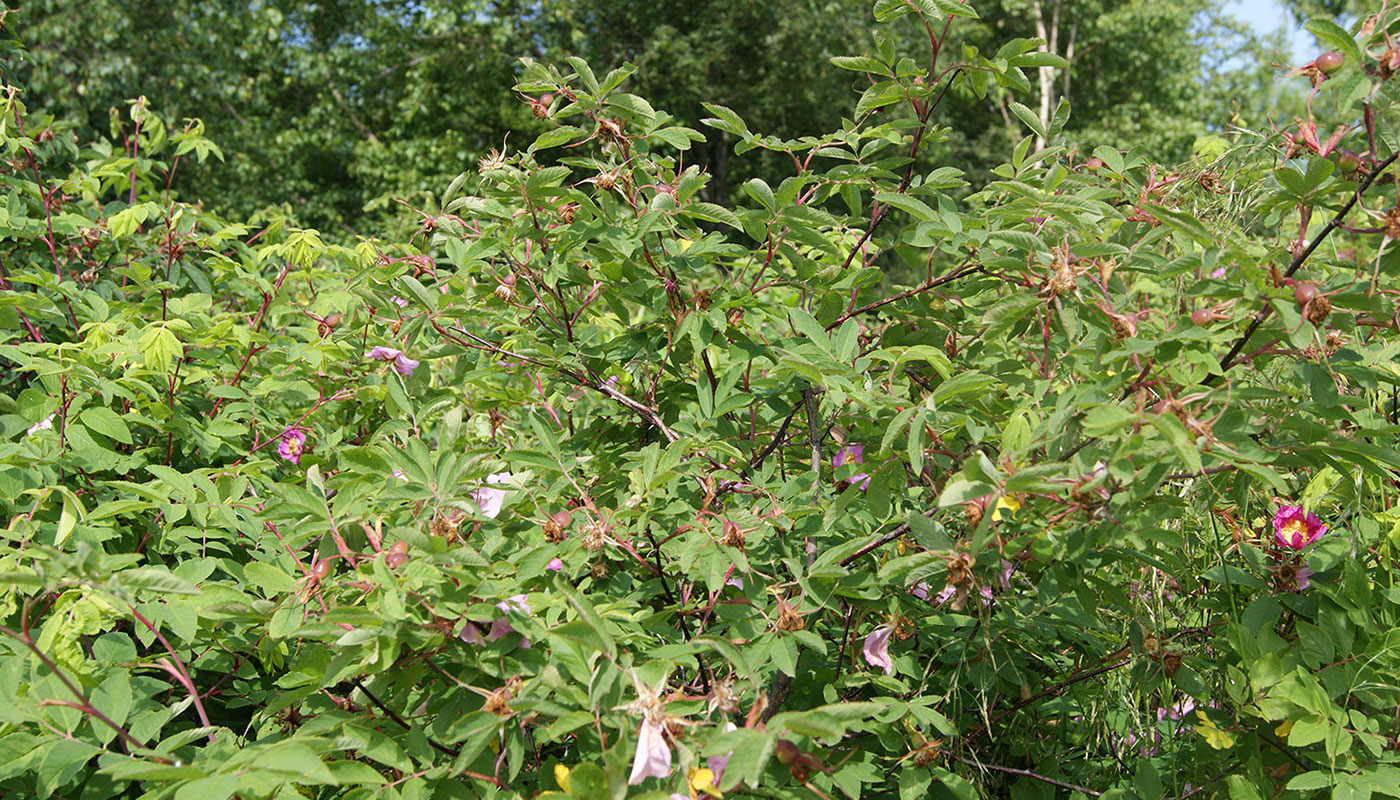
[555, 564]
[291, 445]
[1295, 528]
[402, 363]
[877, 649]
[852, 453]
[653, 756]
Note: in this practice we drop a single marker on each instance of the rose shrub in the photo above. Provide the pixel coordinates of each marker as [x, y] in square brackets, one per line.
[878, 485]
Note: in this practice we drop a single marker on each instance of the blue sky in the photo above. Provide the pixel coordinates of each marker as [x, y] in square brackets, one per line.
[1268, 16]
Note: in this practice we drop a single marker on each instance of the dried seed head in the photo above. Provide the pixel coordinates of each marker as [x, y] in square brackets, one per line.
[491, 162]
[599, 570]
[788, 618]
[444, 526]
[1391, 223]
[1319, 309]
[498, 702]
[733, 536]
[595, 535]
[960, 569]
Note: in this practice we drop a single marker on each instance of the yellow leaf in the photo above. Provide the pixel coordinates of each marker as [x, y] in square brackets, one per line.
[702, 781]
[561, 776]
[1010, 504]
[1283, 728]
[1216, 738]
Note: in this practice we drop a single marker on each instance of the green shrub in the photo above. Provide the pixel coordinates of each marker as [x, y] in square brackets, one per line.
[1077, 482]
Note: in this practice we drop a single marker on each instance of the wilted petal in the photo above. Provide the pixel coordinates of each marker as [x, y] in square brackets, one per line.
[653, 758]
[382, 353]
[1302, 579]
[877, 649]
[471, 634]
[404, 365]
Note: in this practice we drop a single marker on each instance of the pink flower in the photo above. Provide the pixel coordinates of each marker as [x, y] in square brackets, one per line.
[1218, 273]
[515, 602]
[877, 649]
[653, 756]
[555, 564]
[292, 444]
[488, 500]
[399, 301]
[1295, 528]
[399, 475]
[402, 363]
[920, 590]
[852, 453]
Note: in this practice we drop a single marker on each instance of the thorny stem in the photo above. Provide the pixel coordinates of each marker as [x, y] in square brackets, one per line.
[1228, 360]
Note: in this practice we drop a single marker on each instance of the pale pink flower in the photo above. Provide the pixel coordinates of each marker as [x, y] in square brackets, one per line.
[515, 602]
[653, 759]
[920, 590]
[555, 564]
[291, 445]
[877, 649]
[490, 500]
[399, 301]
[1295, 528]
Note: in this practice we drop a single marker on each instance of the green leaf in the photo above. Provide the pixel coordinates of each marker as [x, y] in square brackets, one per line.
[588, 615]
[1030, 119]
[106, 422]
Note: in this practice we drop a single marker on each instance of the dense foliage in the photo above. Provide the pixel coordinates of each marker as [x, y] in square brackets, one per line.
[338, 108]
[592, 486]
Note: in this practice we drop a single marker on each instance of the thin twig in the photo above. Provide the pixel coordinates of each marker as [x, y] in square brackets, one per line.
[1025, 773]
